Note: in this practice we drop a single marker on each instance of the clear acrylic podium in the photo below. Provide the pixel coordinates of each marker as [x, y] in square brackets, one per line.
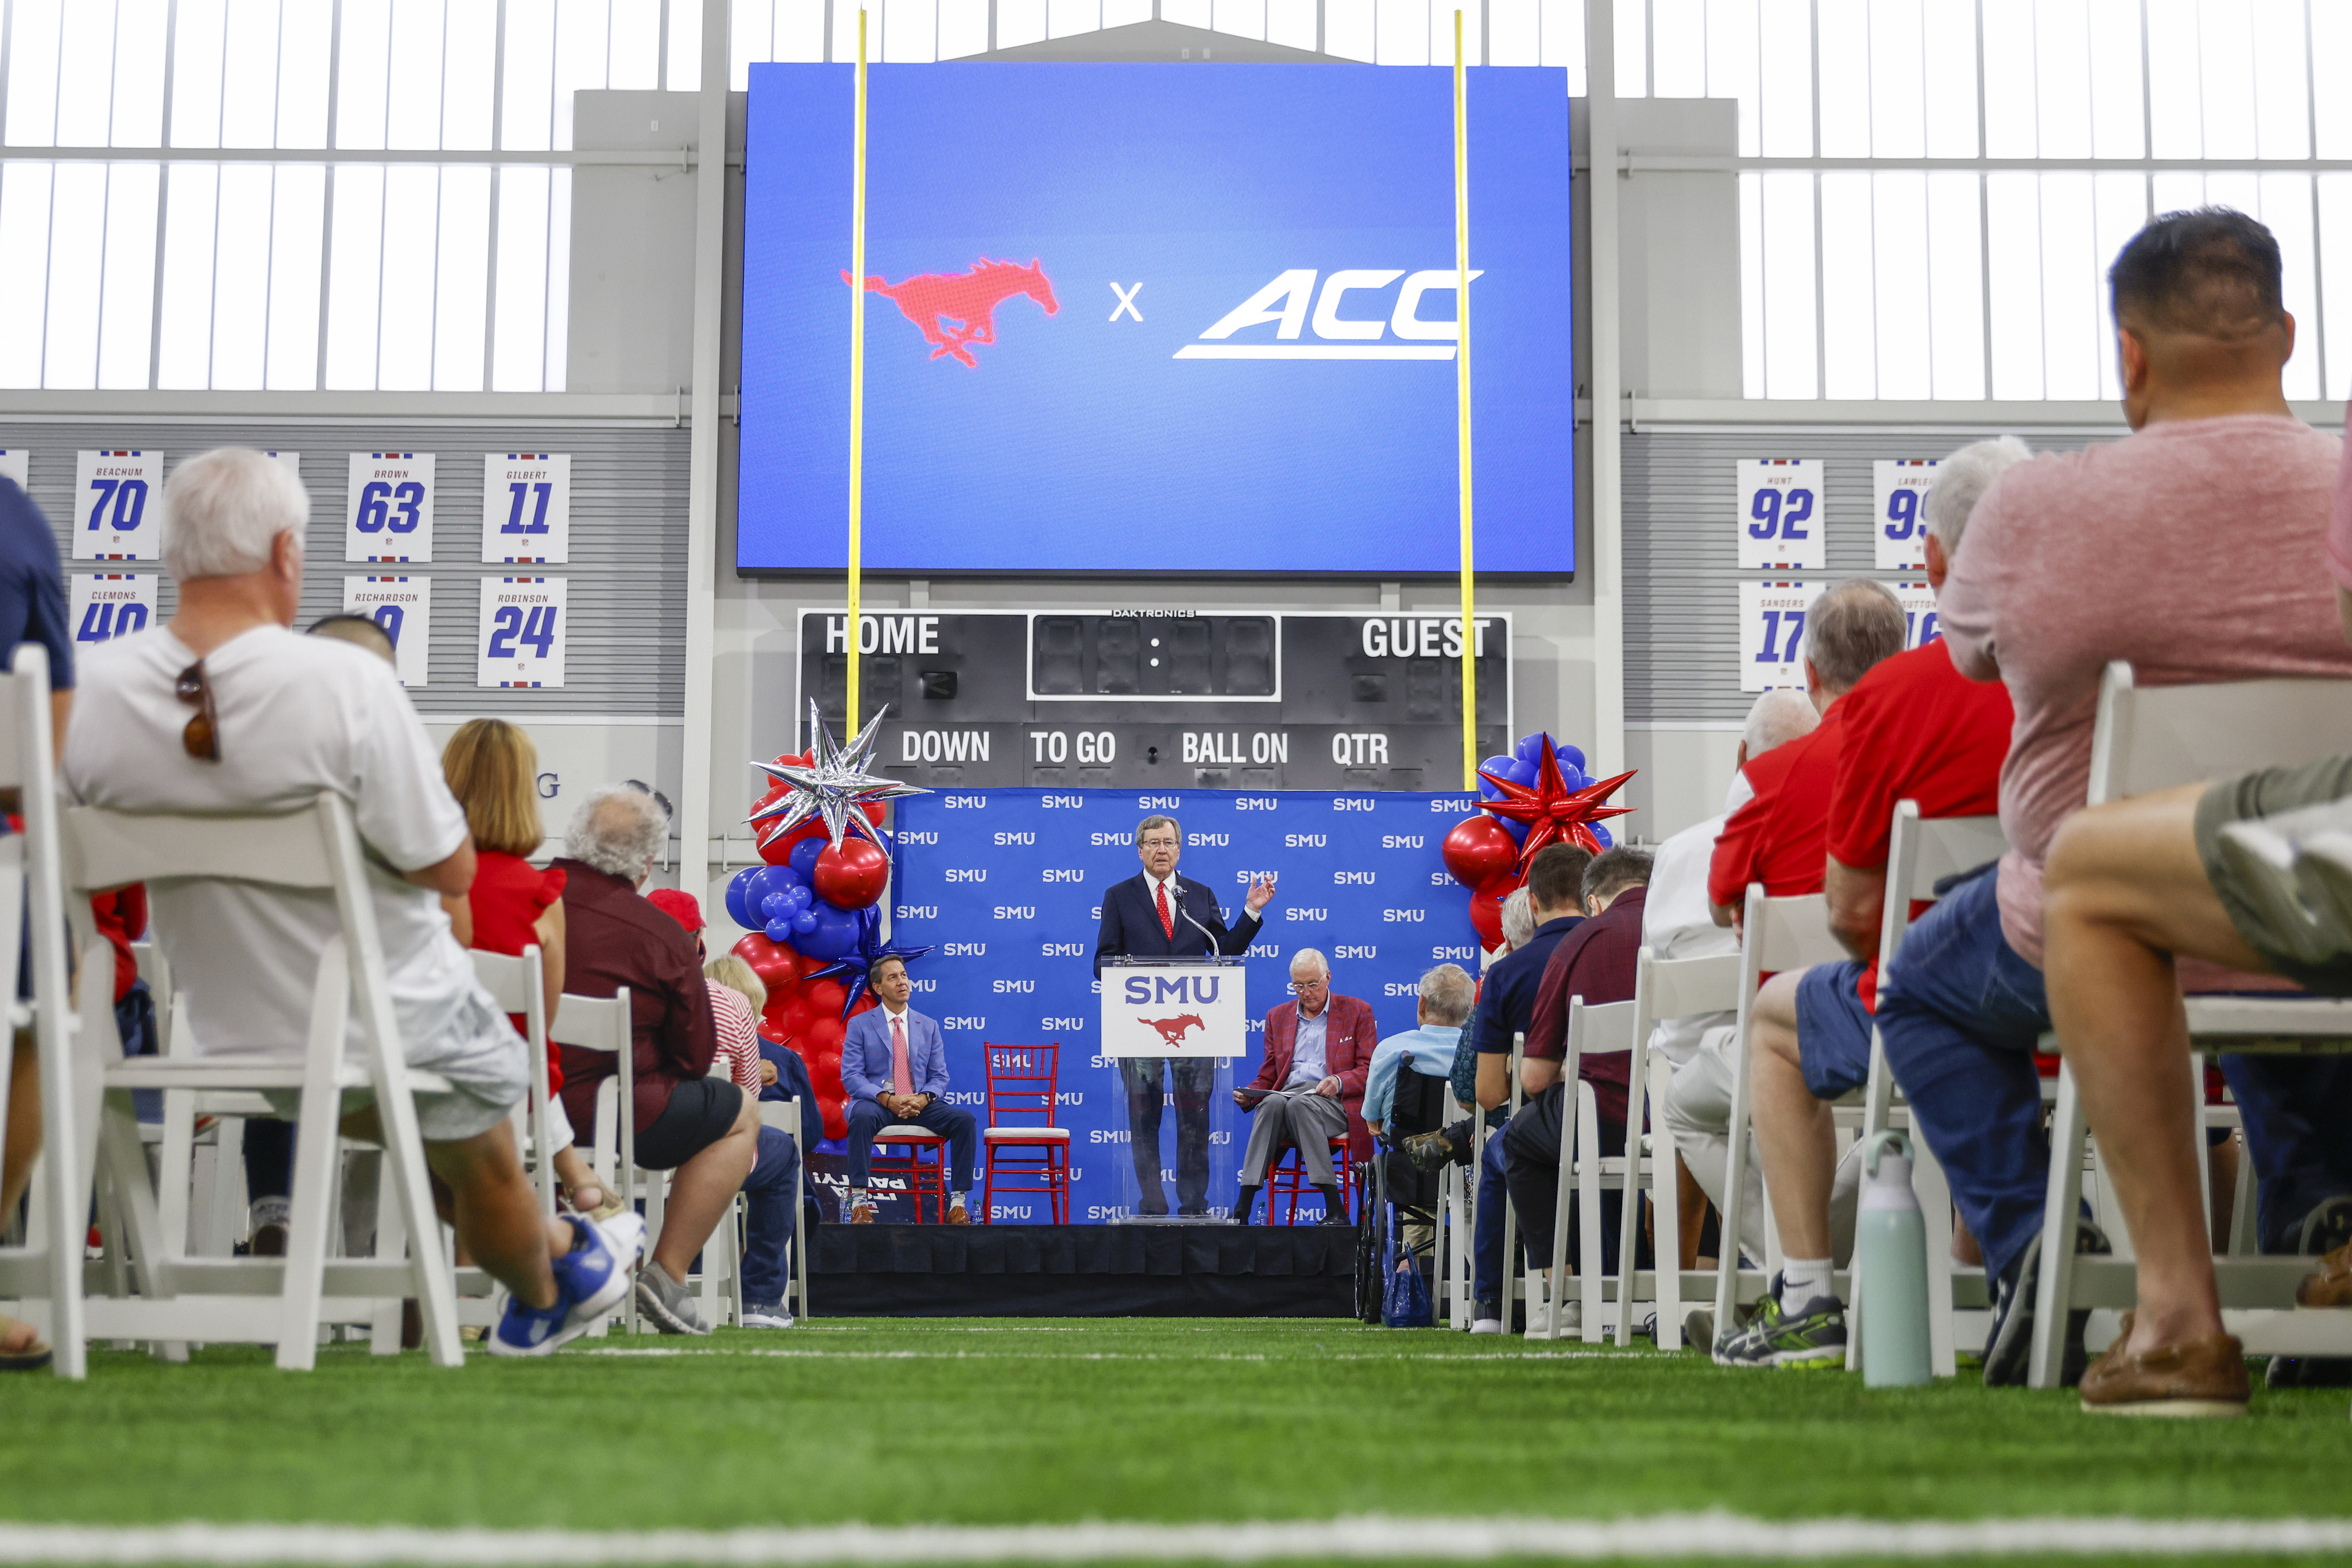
[1171, 1031]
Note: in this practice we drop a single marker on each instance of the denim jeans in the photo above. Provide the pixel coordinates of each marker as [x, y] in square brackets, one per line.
[1531, 1170]
[768, 1216]
[1486, 1247]
[952, 1123]
[2297, 1109]
[1960, 1017]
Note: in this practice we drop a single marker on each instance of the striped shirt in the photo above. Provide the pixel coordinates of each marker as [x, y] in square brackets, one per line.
[739, 1037]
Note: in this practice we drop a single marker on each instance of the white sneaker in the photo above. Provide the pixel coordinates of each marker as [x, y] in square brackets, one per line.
[766, 1315]
[1486, 1325]
[1539, 1316]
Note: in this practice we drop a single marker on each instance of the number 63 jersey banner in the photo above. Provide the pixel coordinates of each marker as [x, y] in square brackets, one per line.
[523, 623]
[388, 509]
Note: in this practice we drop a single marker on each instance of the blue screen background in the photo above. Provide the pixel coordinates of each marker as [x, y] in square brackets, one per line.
[1080, 444]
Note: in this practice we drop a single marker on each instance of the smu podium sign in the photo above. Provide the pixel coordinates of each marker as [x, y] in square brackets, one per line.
[1174, 1008]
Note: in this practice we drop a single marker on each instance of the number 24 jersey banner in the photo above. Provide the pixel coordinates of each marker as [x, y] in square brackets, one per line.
[524, 619]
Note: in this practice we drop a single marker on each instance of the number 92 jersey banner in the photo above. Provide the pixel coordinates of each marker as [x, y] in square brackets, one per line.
[388, 513]
[1008, 886]
[1780, 513]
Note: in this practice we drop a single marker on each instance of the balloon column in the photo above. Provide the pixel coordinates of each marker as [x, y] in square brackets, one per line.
[811, 907]
[1538, 795]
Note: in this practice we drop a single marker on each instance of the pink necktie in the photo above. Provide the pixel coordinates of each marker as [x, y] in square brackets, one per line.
[1167, 920]
[902, 1080]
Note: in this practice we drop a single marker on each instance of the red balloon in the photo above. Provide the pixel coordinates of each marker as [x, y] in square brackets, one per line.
[836, 1116]
[824, 997]
[795, 1016]
[851, 874]
[779, 850]
[1478, 849]
[866, 1004]
[769, 960]
[824, 1036]
[1488, 916]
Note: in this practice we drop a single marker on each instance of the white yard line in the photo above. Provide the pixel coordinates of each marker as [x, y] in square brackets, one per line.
[1122, 1355]
[1709, 1535]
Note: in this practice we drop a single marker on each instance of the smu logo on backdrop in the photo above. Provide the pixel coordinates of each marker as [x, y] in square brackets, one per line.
[1018, 912]
[1149, 990]
[954, 310]
[918, 912]
[1395, 330]
[965, 950]
[921, 836]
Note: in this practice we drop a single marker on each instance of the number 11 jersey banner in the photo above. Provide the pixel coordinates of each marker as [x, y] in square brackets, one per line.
[1126, 318]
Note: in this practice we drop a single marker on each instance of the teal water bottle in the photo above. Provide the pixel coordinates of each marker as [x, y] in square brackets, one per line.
[1890, 1259]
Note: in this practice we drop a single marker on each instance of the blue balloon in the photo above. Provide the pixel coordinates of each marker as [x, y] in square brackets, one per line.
[739, 907]
[797, 899]
[1498, 766]
[1518, 771]
[1516, 829]
[1601, 834]
[781, 877]
[805, 853]
[832, 931]
[779, 932]
[1571, 756]
[804, 923]
[1530, 746]
[776, 906]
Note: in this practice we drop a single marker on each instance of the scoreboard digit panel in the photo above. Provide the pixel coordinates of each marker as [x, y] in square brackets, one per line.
[1294, 700]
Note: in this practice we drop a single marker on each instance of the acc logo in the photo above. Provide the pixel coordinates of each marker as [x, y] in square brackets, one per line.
[1016, 912]
[1413, 915]
[1405, 334]
[969, 300]
[1303, 840]
[1358, 953]
[965, 950]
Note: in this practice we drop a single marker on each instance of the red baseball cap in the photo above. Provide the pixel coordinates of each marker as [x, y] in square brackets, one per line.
[679, 905]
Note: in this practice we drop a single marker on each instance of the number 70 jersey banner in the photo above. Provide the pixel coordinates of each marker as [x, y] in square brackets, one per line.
[524, 619]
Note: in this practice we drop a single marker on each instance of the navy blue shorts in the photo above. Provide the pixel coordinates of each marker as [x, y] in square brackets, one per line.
[1832, 1029]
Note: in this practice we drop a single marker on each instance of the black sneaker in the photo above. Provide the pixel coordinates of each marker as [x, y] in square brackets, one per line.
[1430, 1151]
[2324, 1229]
[2009, 1349]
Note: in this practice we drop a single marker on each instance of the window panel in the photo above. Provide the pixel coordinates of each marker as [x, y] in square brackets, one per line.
[361, 76]
[2010, 95]
[2122, 203]
[2069, 290]
[1733, 63]
[582, 33]
[1955, 342]
[527, 113]
[461, 279]
[241, 279]
[2062, 79]
[1899, 127]
[2225, 46]
[1792, 368]
[33, 75]
[1514, 31]
[77, 241]
[413, 96]
[2281, 79]
[800, 29]
[411, 213]
[1849, 324]
[2176, 121]
[1899, 247]
[1785, 55]
[1632, 36]
[355, 266]
[86, 75]
[1951, 98]
[296, 225]
[1126, 12]
[1349, 28]
[1843, 28]
[685, 47]
[2286, 207]
[964, 26]
[1404, 37]
[470, 76]
[1677, 48]
[24, 263]
[306, 39]
[1017, 22]
[559, 277]
[2175, 191]
[2331, 40]
[518, 349]
[751, 28]
[2335, 279]
[2118, 123]
[1751, 285]
[127, 308]
[2013, 214]
[184, 348]
[1245, 18]
[911, 31]
[636, 48]
[249, 75]
[1561, 39]
[197, 30]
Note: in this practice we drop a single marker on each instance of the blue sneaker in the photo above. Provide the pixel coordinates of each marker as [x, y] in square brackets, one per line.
[590, 1281]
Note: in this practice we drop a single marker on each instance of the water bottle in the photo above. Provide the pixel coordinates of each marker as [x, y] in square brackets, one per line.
[1890, 1256]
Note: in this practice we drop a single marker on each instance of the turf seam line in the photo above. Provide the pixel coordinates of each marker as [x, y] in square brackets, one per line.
[1362, 1537]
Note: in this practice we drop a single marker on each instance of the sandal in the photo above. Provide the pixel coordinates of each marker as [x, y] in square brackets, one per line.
[21, 1349]
[606, 1205]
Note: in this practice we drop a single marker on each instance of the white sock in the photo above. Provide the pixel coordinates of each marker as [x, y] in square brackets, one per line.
[1803, 1281]
[958, 1201]
[857, 1197]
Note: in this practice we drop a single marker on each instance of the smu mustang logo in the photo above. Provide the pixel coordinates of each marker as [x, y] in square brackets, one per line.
[932, 301]
[1173, 1030]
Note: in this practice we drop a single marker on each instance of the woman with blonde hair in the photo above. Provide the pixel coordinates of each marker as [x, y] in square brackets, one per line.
[492, 768]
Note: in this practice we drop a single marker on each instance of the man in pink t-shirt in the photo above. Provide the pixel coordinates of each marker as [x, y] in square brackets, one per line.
[2185, 549]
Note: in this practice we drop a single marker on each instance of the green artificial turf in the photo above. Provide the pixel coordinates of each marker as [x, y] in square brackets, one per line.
[1011, 1422]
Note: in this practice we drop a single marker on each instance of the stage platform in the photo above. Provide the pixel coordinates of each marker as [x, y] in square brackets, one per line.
[1083, 1271]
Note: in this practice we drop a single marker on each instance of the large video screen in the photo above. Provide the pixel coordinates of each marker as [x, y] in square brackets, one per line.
[1185, 317]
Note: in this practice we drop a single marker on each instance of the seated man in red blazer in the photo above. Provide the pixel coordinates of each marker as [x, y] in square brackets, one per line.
[1319, 1049]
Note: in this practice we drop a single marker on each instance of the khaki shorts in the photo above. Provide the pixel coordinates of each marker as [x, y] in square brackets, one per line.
[486, 1062]
[2264, 793]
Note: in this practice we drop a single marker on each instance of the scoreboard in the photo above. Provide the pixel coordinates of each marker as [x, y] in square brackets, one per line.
[1286, 700]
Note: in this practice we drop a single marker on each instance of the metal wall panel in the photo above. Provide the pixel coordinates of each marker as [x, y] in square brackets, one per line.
[625, 653]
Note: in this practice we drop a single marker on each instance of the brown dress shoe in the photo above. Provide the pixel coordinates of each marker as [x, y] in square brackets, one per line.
[957, 1215]
[2331, 1285]
[861, 1214]
[2203, 1377]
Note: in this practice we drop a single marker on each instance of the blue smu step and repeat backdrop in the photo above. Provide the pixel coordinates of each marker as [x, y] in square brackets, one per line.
[1008, 884]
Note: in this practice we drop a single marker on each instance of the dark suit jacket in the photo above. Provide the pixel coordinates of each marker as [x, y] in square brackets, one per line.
[1130, 923]
[1348, 1037]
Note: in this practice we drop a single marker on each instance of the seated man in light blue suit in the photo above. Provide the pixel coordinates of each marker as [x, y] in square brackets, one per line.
[894, 1069]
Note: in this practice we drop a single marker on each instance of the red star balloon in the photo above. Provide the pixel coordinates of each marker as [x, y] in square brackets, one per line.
[1554, 812]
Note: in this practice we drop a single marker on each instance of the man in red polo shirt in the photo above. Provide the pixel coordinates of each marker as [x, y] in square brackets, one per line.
[1912, 728]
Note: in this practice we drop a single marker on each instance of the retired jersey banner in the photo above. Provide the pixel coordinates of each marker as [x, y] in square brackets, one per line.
[1134, 317]
[118, 506]
[103, 605]
[1008, 885]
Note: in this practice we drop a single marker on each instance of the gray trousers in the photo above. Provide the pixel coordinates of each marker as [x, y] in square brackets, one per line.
[1310, 1121]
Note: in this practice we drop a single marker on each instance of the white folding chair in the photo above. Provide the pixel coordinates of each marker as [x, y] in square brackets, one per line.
[1663, 989]
[519, 985]
[2154, 739]
[314, 850]
[602, 1024]
[1514, 1280]
[1920, 853]
[785, 1116]
[1593, 1030]
[1778, 935]
[1457, 1231]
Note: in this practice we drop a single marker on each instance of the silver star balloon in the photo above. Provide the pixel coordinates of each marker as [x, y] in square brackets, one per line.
[831, 786]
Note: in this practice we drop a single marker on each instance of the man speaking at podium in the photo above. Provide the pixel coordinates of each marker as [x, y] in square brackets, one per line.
[1161, 914]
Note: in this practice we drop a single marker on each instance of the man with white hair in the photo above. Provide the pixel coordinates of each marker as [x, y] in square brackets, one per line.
[226, 709]
[705, 1130]
[1446, 992]
[1310, 1088]
[1915, 730]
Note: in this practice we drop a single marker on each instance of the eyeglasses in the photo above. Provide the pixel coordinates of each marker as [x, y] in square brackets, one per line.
[1300, 988]
[201, 737]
